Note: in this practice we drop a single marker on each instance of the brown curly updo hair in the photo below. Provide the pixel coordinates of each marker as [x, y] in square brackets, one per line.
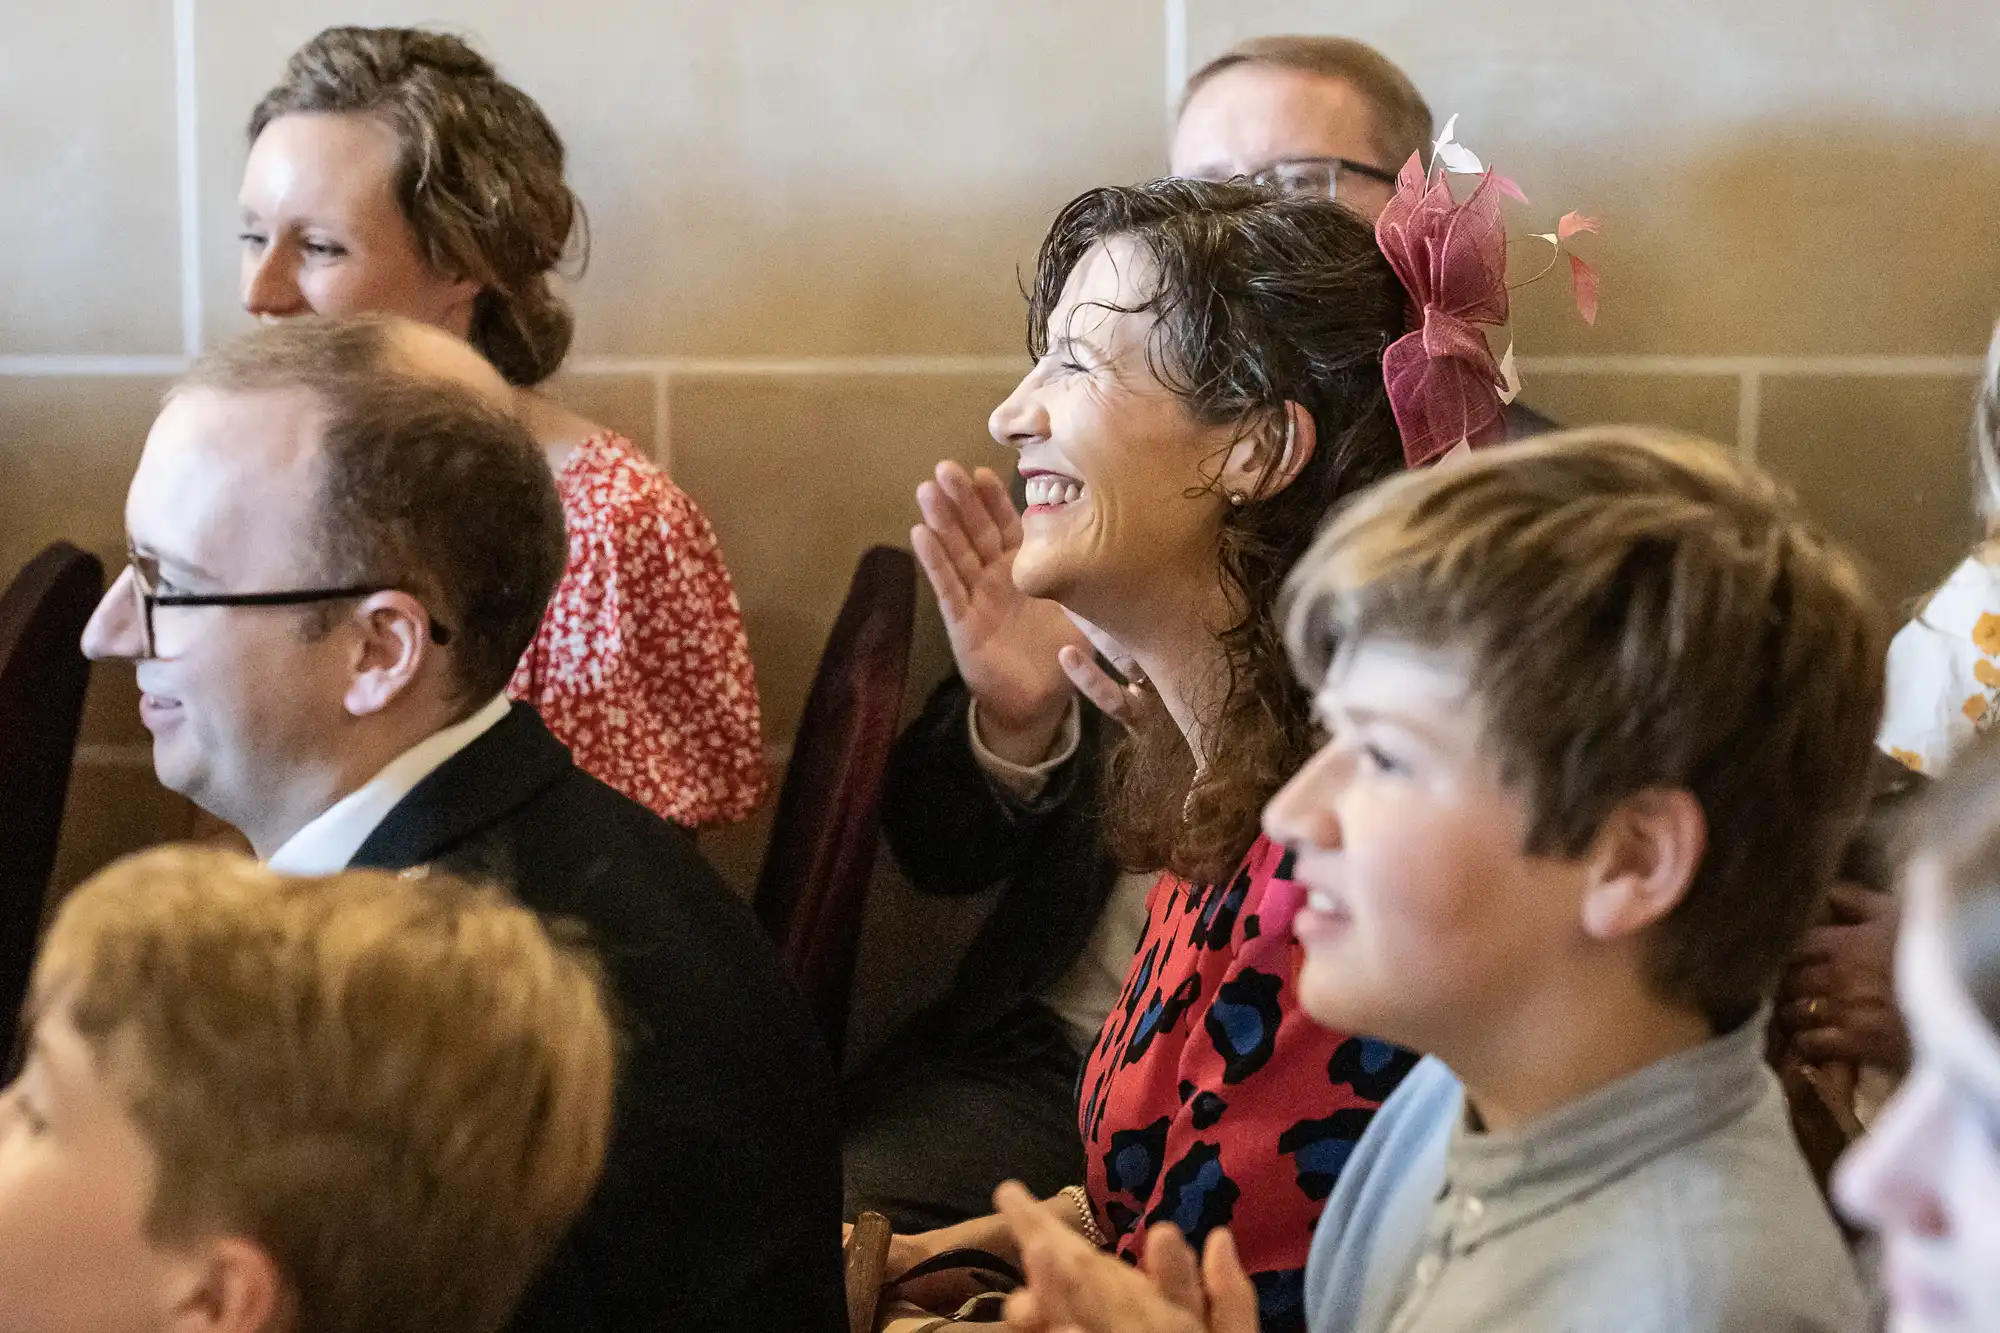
[480, 175]
[1260, 300]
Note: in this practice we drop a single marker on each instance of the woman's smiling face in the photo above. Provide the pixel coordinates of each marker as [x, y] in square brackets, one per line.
[1122, 514]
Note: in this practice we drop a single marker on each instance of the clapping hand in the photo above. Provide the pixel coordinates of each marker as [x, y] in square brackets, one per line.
[1020, 656]
[1073, 1287]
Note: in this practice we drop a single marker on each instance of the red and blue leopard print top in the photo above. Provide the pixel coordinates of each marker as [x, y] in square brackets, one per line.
[1210, 1098]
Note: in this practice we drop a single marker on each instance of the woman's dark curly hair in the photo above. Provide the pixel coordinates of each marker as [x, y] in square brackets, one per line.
[1261, 300]
[480, 175]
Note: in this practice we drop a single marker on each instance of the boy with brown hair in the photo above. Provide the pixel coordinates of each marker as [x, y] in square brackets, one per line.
[254, 1104]
[1599, 712]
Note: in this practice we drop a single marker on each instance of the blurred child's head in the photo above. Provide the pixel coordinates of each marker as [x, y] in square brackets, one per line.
[356, 1104]
[1927, 1177]
[1599, 711]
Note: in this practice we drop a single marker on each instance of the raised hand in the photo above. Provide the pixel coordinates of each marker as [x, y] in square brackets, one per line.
[1074, 1286]
[1006, 644]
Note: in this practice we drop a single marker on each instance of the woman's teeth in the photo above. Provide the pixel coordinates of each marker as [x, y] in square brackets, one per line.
[1322, 902]
[1047, 489]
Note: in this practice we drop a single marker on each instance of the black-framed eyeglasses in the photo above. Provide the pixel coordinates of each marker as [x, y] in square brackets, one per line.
[145, 593]
[1318, 177]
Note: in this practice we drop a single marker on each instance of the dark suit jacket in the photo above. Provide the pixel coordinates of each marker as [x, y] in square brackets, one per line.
[954, 836]
[720, 1199]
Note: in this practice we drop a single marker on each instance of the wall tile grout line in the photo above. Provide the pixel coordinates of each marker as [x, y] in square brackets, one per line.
[135, 366]
[1860, 366]
[1176, 25]
[187, 151]
[101, 754]
[663, 421]
[1749, 412]
[803, 367]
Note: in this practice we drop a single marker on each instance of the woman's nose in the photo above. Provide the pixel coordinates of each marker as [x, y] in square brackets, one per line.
[1021, 419]
[271, 284]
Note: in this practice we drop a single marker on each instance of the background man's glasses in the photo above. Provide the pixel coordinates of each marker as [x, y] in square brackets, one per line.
[145, 594]
[1316, 177]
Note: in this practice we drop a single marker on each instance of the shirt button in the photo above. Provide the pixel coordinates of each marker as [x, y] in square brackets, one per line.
[1427, 1269]
[1474, 1210]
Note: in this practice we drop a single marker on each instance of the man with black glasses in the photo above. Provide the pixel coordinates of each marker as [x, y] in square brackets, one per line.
[1328, 116]
[341, 543]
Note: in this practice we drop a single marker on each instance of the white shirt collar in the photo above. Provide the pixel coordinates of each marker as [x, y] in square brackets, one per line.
[329, 842]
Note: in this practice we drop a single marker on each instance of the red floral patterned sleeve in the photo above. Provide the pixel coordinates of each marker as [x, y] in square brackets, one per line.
[641, 666]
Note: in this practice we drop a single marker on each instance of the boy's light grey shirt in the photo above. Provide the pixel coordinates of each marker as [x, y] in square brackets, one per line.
[1673, 1201]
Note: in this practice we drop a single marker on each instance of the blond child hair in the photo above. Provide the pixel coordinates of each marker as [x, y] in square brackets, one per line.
[400, 1090]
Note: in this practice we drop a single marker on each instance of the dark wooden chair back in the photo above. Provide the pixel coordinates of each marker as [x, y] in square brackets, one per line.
[43, 676]
[814, 884]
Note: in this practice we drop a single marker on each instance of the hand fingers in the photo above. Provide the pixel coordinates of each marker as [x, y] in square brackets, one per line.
[1232, 1297]
[952, 594]
[1062, 1291]
[973, 514]
[1095, 684]
[1000, 505]
[942, 517]
[1825, 1045]
[1104, 643]
[1812, 981]
[1174, 1270]
[1024, 1216]
[1023, 1312]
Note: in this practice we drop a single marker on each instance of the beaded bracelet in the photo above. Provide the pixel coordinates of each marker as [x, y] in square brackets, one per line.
[1086, 1218]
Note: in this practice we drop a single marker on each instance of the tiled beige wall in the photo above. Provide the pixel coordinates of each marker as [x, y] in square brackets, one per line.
[809, 220]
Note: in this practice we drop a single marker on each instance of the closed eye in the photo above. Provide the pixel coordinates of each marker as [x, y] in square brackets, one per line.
[1381, 760]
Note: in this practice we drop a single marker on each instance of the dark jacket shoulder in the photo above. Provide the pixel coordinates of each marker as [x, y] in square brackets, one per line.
[721, 1191]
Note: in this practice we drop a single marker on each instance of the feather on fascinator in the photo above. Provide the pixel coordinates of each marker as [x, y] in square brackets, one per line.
[1445, 386]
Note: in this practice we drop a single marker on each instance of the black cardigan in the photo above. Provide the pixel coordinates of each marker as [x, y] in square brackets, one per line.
[954, 836]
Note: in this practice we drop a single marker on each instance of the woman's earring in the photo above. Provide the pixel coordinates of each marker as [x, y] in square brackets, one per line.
[1237, 498]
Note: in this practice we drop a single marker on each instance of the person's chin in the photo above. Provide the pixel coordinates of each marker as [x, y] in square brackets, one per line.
[1040, 572]
[174, 764]
[1328, 994]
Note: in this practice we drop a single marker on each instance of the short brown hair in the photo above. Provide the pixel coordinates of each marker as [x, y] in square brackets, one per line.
[480, 177]
[1403, 122]
[1261, 300]
[400, 1090]
[424, 485]
[1637, 610]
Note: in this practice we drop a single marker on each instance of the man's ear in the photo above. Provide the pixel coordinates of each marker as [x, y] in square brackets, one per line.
[389, 653]
[1267, 460]
[1642, 863]
[229, 1285]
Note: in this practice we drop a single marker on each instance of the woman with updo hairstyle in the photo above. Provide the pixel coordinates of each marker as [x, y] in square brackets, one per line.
[393, 170]
[1207, 386]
